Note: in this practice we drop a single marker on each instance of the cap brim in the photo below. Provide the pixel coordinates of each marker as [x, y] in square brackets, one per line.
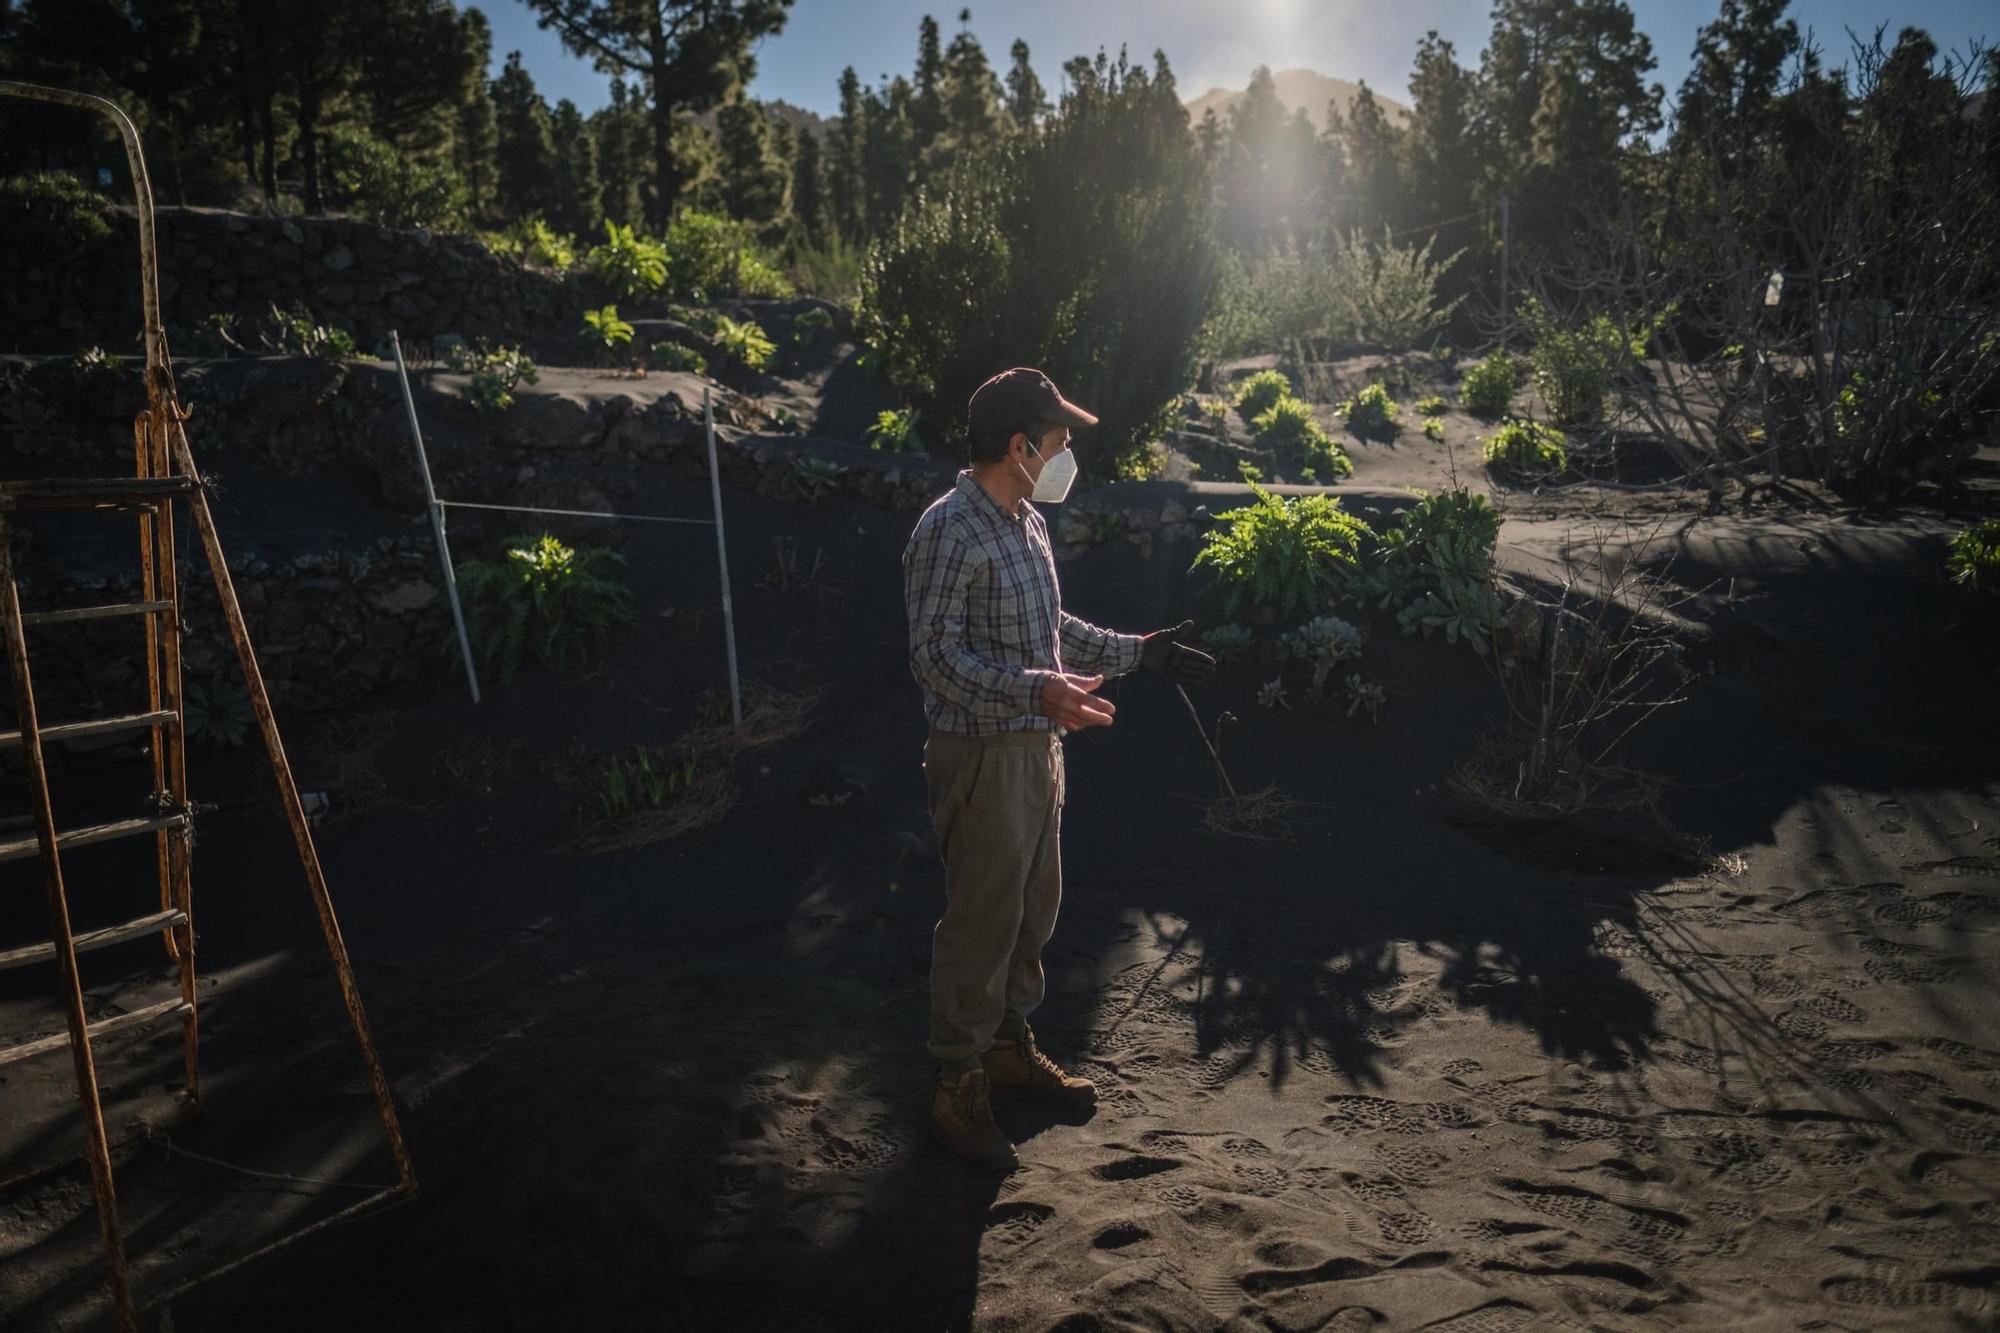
[1072, 415]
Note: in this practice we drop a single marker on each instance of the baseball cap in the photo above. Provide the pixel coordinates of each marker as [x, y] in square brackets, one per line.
[1008, 401]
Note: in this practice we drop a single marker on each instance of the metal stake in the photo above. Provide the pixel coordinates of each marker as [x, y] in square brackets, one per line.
[437, 519]
[722, 561]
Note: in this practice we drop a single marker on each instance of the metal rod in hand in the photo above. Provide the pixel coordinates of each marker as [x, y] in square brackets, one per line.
[722, 560]
[437, 520]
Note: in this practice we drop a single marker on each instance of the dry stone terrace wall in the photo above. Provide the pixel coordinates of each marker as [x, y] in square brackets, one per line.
[330, 628]
[362, 278]
[334, 626]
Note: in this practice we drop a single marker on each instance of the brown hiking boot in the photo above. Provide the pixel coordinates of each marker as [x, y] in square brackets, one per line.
[962, 1120]
[1022, 1066]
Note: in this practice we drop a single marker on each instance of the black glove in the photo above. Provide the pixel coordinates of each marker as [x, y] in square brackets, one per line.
[1159, 654]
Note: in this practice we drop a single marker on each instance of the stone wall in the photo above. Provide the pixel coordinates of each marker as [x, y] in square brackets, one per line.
[353, 275]
[330, 628]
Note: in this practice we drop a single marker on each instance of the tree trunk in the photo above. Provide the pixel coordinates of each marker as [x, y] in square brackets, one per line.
[270, 173]
[309, 143]
[666, 177]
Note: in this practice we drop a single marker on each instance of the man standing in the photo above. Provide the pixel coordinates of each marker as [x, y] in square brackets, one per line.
[1002, 665]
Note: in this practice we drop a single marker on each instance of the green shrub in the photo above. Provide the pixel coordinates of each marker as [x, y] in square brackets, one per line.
[1974, 561]
[709, 255]
[745, 340]
[293, 333]
[1371, 414]
[644, 778]
[628, 263]
[1489, 387]
[495, 376]
[543, 600]
[50, 220]
[1434, 430]
[808, 324]
[1289, 423]
[679, 356]
[1256, 393]
[1107, 302]
[606, 329]
[895, 431]
[390, 187]
[531, 242]
[831, 271]
[1576, 365]
[1296, 554]
[1432, 406]
[1527, 448]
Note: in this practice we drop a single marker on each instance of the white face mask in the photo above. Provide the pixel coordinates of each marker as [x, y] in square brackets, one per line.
[1058, 475]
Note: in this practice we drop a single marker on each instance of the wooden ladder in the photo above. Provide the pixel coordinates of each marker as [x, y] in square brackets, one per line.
[164, 475]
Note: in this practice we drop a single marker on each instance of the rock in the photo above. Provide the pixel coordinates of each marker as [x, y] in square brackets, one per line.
[413, 595]
[292, 232]
[338, 258]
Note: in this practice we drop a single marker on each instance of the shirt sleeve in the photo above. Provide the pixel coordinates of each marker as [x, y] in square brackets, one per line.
[1086, 648]
[938, 571]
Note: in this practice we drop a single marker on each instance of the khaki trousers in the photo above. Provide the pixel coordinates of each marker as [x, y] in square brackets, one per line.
[996, 803]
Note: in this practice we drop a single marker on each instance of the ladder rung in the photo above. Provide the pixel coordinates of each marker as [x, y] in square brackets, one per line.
[91, 492]
[15, 849]
[92, 939]
[94, 612]
[103, 1027]
[70, 731]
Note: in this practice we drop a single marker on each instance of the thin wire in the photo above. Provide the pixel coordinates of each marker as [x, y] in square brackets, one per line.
[176, 1151]
[579, 513]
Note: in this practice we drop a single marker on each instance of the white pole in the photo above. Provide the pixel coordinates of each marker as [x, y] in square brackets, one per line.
[437, 519]
[722, 562]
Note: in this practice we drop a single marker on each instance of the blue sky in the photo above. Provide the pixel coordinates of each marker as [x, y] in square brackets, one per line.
[1210, 43]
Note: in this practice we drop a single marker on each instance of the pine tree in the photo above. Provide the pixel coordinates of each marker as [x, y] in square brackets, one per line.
[1251, 179]
[972, 93]
[845, 176]
[809, 192]
[885, 154]
[1440, 153]
[687, 55]
[474, 132]
[575, 205]
[620, 132]
[927, 117]
[754, 173]
[524, 146]
[1026, 101]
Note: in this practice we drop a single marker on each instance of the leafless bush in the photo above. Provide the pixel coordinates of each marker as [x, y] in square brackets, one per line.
[1586, 662]
[1819, 286]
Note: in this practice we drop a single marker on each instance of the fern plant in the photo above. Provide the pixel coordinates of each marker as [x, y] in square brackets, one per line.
[1296, 554]
[745, 340]
[1289, 423]
[1256, 394]
[543, 600]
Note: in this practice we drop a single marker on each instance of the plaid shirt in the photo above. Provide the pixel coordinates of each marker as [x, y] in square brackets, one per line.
[987, 628]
